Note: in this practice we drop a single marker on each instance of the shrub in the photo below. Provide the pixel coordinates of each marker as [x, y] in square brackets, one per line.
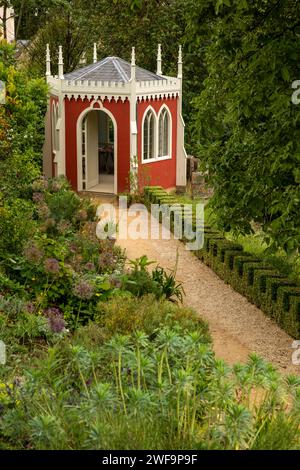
[127, 314]
[139, 281]
[101, 397]
[16, 227]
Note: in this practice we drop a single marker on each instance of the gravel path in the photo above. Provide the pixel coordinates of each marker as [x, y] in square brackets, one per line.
[237, 327]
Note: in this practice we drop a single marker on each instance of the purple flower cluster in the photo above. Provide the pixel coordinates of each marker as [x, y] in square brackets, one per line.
[37, 197]
[40, 184]
[82, 215]
[56, 319]
[49, 223]
[33, 254]
[30, 307]
[56, 186]
[63, 226]
[51, 266]
[73, 247]
[43, 210]
[115, 281]
[83, 289]
[106, 260]
[89, 266]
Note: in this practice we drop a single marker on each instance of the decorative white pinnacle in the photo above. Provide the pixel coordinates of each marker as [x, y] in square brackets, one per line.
[133, 63]
[83, 58]
[159, 71]
[48, 61]
[179, 75]
[60, 63]
[95, 53]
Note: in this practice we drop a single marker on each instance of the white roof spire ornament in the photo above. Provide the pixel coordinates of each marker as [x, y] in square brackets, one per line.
[95, 53]
[83, 58]
[48, 61]
[60, 63]
[159, 71]
[179, 75]
[133, 71]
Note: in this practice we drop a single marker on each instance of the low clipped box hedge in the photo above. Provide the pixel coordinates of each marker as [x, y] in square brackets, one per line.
[250, 288]
[292, 320]
[286, 311]
[272, 286]
[261, 283]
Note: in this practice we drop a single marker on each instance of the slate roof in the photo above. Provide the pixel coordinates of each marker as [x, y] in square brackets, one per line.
[111, 69]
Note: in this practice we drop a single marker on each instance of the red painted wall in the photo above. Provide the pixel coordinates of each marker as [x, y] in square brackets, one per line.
[161, 173]
[121, 113]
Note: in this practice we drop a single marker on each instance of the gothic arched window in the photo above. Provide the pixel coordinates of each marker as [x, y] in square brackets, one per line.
[149, 136]
[164, 134]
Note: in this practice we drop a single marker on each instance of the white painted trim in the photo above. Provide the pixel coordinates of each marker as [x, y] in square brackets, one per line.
[156, 160]
[53, 125]
[79, 143]
[156, 136]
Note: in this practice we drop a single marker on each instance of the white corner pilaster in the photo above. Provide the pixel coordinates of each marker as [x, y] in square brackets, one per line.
[61, 164]
[181, 153]
[133, 127]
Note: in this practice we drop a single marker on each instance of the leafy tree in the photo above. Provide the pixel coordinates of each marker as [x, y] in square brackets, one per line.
[5, 16]
[31, 15]
[245, 124]
[21, 126]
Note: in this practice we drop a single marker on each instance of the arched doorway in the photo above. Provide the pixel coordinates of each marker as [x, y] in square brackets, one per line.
[97, 152]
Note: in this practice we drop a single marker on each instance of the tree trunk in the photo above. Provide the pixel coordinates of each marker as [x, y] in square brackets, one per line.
[4, 22]
[19, 19]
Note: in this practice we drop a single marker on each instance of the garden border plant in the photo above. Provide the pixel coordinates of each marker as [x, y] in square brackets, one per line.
[252, 276]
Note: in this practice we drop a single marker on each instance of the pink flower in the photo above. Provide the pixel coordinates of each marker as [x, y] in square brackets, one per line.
[51, 266]
[56, 320]
[33, 253]
[83, 289]
[82, 215]
[37, 197]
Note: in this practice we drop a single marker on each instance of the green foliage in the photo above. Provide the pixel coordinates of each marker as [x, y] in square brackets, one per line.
[16, 227]
[169, 379]
[126, 314]
[258, 278]
[21, 128]
[139, 281]
[245, 123]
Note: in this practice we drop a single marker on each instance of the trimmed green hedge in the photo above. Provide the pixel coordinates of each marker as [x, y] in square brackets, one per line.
[260, 283]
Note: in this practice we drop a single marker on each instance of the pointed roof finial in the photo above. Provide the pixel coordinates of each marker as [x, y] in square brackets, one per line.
[95, 53]
[60, 63]
[179, 75]
[133, 63]
[83, 58]
[48, 61]
[158, 70]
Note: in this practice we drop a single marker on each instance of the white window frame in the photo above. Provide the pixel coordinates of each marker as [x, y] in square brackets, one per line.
[156, 135]
[147, 160]
[53, 127]
[164, 107]
[57, 127]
